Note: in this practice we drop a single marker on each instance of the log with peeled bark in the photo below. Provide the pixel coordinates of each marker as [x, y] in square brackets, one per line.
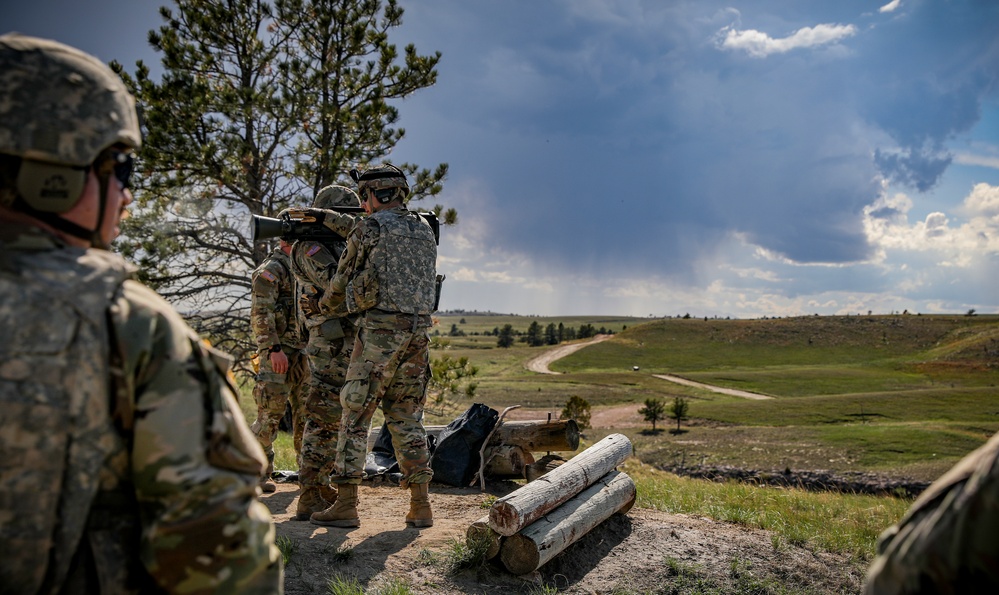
[541, 541]
[520, 508]
[506, 462]
[480, 530]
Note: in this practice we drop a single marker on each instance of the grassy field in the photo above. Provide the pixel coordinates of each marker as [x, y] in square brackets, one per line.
[904, 396]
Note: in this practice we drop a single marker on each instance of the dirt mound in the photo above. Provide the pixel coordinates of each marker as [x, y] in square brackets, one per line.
[642, 551]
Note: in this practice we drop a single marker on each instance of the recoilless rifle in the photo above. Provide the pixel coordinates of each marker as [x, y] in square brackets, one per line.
[290, 226]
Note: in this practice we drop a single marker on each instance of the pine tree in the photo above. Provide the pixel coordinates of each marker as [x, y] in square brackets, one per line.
[260, 104]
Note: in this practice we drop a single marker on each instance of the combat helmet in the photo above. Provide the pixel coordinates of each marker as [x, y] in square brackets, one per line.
[59, 109]
[386, 180]
[336, 196]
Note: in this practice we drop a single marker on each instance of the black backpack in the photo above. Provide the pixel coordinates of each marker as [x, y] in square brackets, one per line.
[456, 459]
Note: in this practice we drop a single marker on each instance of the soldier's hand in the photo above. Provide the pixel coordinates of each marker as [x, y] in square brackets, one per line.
[306, 215]
[279, 362]
[309, 303]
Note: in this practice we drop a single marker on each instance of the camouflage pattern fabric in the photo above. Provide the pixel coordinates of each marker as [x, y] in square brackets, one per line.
[272, 394]
[390, 365]
[274, 321]
[948, 541]
[134, 470]
[331, 340]
[390, 368]
[389, 264]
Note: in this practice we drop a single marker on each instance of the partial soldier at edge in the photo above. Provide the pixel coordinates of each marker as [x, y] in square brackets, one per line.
[282, 374]
[127, 464]
[948, 540]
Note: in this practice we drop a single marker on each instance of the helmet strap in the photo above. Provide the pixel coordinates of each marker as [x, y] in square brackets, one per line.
[55, 221]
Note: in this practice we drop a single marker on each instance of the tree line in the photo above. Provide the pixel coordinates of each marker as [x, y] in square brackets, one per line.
[536, 335]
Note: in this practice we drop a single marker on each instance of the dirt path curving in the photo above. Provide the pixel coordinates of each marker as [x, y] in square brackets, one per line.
[540, 363]
[715, 389]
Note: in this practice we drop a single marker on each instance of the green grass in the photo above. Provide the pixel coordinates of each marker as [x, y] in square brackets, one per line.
[841, 523]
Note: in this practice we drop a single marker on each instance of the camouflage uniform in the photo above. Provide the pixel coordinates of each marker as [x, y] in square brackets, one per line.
[274, 319]
[387, 274]
[331, 341]
[948, 541]
[126, 464]
[160, 492]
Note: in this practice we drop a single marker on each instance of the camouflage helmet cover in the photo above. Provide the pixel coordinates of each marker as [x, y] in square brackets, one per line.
[336, 196]
[382, 177]
[60, 105]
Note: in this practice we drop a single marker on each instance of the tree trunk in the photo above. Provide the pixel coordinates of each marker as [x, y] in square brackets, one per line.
[535, 545]
[480, 529]
[520, 508]
[538, 435]
[507, 462]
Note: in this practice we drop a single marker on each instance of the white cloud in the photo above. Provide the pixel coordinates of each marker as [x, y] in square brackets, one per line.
[891, 6]
[760, 45]
[964, 245]
[973, 159]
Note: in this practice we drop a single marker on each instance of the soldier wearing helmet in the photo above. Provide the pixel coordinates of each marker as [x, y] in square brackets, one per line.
[128, 467]
[282, 367]
[331, 340]
[386, 277]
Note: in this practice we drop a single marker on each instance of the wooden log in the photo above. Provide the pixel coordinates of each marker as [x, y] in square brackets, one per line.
[538, 543]
[506, 462]
[538, 435]
[480, 530]
[532, 435]
[543, 465]
[523, 506]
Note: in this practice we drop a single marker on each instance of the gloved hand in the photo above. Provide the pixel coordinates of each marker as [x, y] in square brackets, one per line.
[309, 303]
[307, 215]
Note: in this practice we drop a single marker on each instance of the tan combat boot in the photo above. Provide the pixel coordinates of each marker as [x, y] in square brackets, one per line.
[420, 514]
[343, 513]
[309, 502]
[329, 493]
[266, 485]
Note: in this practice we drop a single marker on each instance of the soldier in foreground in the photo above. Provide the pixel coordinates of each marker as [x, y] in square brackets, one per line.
[387, 275]
[127, 466]
[948, 541]
[283, 369]
[331, 341]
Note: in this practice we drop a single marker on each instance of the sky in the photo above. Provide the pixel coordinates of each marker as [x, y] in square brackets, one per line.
[726, 158]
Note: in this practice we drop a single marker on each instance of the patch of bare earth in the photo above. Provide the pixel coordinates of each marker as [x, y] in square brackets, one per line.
[643, 551]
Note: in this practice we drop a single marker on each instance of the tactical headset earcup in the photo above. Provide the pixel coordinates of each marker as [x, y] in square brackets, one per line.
[48, 187]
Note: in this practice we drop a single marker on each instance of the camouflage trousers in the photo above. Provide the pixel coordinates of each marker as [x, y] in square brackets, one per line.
[272, 394]
[328, 361]
[390, 367]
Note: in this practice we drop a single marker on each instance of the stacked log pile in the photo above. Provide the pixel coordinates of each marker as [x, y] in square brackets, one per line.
[536, 522]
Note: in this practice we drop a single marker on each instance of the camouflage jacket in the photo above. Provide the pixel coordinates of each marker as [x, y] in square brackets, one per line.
[127, 464]
[948, 540]
[389, 265]
[274, 304]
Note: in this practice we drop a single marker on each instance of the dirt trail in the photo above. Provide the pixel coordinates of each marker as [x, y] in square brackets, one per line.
[715, 389]
[540, 363]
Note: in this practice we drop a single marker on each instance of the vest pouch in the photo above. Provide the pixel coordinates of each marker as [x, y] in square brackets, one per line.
[331, 329]
[354, 395]
[362, 291]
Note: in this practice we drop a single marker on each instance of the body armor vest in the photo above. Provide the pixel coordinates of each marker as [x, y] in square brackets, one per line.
[60, 443]
[405, 260]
